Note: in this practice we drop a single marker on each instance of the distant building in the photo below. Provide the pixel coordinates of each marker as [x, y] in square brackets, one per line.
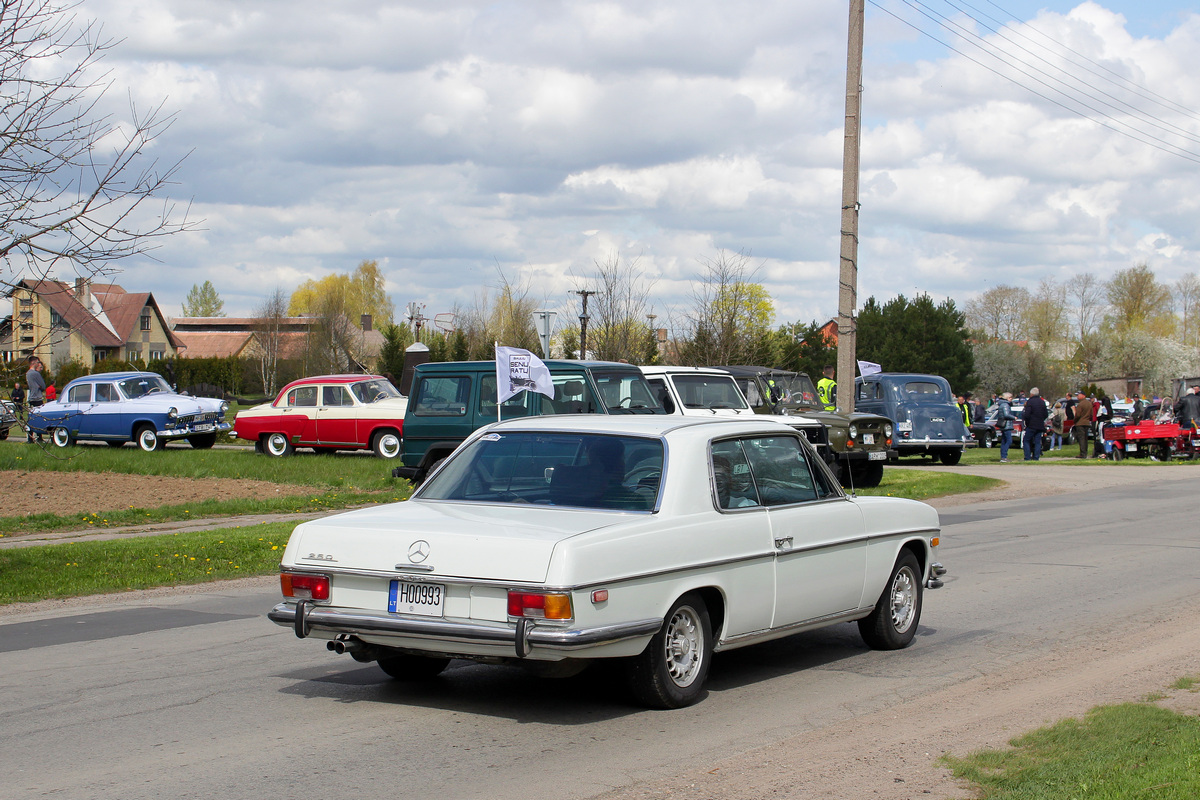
[86, 322]
[221, 337]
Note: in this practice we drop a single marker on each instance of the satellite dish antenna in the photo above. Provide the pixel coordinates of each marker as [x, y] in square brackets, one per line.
[444, 321]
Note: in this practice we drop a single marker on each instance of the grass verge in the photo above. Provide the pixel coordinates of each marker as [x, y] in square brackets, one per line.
[305, 469]
[922, 485]
[298, 504]
[101, 567]
[1113, 753]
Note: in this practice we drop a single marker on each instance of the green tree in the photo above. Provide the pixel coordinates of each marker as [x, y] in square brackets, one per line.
[1140, 302]
[916, 336]
[804, 349]
[396, 339]
[360, 292]
[203, 301]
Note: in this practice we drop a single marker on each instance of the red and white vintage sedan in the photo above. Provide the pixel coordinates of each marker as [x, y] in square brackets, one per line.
[328, 413]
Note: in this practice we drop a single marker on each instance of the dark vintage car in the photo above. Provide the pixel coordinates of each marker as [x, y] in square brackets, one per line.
[922, 407]
[8, 418]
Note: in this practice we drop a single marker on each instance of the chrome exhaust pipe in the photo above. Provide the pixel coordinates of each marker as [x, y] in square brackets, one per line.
[343, 646]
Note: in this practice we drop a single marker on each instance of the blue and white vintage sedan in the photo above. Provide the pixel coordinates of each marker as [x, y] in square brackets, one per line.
[120, 407]
[654, 542]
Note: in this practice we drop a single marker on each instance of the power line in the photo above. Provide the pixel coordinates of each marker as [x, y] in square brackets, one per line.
[1114, 124]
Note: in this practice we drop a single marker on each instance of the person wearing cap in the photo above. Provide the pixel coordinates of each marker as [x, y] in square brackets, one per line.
[1083, 422]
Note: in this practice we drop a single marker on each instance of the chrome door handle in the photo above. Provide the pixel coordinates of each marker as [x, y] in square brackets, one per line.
[783, 543]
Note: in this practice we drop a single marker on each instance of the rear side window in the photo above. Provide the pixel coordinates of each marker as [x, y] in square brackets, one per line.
[442, 397]
[519, 405]
[80, 394]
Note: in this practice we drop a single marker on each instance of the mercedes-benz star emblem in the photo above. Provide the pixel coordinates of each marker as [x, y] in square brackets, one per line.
[418, 551]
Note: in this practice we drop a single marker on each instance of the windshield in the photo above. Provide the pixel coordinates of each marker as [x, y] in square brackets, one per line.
[140, 385]
[561, 469]
[625, 392]
[375, 389]
[708, 391]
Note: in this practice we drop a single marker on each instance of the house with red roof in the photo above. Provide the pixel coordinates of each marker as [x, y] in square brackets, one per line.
[60, 322]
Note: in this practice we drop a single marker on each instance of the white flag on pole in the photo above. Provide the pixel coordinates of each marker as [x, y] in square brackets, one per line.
[866, 368]
[518, 370]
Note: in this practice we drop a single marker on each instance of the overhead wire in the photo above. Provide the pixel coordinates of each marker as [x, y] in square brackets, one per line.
[1071, 94]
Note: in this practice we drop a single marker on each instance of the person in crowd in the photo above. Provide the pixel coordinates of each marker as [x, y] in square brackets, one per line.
[1057, 420]
[35, 389]
[1102, 414]
[18, 397]
[827, 389]
[51, 393]
[1139, 409]
[963, 409]
[1004, 424]
[1083, 422]
[976, 411]
[1034, 418]
[1187, 410]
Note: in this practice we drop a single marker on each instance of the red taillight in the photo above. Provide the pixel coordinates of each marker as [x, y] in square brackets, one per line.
[541, 606]
[304, 587]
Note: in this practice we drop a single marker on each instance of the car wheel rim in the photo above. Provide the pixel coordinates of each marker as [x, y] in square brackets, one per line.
[276, 444]
[148, 440]
[61, 437]
[684, 646]
[904, 599]
[389, 445]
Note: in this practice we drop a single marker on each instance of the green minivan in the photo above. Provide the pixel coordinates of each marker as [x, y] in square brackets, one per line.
[449, 400]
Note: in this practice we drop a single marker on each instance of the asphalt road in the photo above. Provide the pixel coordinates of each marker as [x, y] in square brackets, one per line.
[199, 696]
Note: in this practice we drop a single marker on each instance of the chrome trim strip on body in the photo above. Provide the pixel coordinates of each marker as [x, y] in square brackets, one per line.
[337, 620]
[795, 627]
[916, 532]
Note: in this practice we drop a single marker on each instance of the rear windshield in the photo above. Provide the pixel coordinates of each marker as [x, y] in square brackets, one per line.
[579, 470]
[925, 390]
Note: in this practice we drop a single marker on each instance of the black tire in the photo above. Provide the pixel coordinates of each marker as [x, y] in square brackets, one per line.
[868, 475]
[405, 667]
[62, 437]
[893, 623]
[670, 672]
[950, 457]
[148, 439]
[1118, 454]
[111, 443]
[3, 434]
[202, 441]
[277, 445]
[386, 444]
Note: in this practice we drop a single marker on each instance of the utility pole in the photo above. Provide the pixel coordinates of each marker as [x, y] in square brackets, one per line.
[848, 273]
[583, 321]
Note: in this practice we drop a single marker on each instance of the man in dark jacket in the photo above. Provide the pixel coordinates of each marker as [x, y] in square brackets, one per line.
[1187, 410]
[1083, 423]
[1034, 419]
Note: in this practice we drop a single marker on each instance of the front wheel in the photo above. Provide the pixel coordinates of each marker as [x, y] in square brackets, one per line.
[62, 437]
[386, 444]
[893, 623]
[412, 668]
[867, 476]
[277, 445]
[951, 457]
[670, 672]
[148, 439]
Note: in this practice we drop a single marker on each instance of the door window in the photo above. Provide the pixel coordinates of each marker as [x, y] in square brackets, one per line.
[781, 470]
[106, 393]
[80, 394]
[442, 397]
[303, 396]
[733, 485]
[336, 396]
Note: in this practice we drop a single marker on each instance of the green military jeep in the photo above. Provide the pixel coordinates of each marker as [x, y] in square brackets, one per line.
[859, 444]
[450, 399]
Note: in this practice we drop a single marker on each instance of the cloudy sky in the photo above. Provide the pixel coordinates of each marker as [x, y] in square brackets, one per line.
[454, 140]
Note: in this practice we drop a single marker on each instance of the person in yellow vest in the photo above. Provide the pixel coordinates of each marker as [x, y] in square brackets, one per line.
[827, 390]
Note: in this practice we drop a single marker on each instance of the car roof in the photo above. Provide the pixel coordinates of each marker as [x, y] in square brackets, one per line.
[664, 370]
[113, 376]
[639, 425]
[744, 370]
[552, 363]
[344, 378]
[906, 376]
